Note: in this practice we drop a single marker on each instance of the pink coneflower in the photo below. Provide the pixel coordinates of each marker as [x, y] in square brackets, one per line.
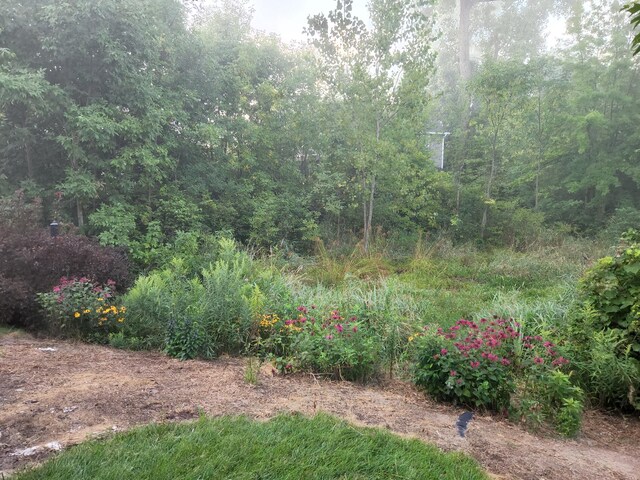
[339, 327]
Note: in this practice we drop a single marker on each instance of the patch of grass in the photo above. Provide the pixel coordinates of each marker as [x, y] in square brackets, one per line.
[287, 447]
[6, 329]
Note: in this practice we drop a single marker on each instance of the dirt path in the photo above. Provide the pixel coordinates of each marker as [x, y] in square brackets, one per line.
[77, 391]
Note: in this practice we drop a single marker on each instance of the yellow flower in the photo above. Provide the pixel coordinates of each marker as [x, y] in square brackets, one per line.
[88, 310]
[101, 299]
[123, 309]
[120, 320]
[77, 314]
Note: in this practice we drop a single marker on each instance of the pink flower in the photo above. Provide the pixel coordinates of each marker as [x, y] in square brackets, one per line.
[339, 327]
[355, 329]
[559, 361]
[474, 364]
[505, 362]
[329, 337]
[538, 360]
[453, 373]
[302, 309]
[444, 351]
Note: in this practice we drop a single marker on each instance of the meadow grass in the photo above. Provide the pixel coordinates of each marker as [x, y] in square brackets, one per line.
[6, 329]
[286, 447]
[440, 285]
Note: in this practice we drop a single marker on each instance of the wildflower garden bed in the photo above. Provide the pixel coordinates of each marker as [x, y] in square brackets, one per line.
[66, 392]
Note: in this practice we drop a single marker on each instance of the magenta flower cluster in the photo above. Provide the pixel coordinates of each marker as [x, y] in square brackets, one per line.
[496, 341]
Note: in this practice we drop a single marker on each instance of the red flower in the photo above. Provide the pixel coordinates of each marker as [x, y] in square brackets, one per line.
[538, 360]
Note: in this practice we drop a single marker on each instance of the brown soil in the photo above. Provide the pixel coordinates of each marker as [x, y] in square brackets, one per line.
[79, 391]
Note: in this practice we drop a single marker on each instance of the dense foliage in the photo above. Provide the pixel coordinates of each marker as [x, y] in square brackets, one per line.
[175, 135]
[492, 364]
[612, 288]
[138, 120]
[32, 262]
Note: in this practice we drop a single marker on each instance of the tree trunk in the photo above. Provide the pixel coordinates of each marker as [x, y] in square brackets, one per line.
[368, 209]
[80, 213]
[28, 158]
[365, 214]
[464, 39]
[489, 190]
[540, 152]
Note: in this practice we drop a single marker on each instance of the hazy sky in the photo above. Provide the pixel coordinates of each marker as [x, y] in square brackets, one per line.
[287, 18]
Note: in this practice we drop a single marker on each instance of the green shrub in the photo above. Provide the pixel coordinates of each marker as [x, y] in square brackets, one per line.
[329, 344]
[226, 311]
[612, 288]
[202, 314]
[549, 396]
[490, 364]
[469, 363]
[148, 305]
[603, 362]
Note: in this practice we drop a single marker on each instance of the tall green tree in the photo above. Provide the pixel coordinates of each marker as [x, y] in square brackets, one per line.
[371, 73]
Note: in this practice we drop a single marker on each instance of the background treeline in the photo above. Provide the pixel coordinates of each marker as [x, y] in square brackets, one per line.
[135, 120]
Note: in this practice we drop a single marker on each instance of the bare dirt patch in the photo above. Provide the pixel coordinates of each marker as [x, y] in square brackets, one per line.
[58, 391]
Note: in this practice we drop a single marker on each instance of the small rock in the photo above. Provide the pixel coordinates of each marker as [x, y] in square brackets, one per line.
[48, 349]
[69, 409]
[55, 446]
[27, 452]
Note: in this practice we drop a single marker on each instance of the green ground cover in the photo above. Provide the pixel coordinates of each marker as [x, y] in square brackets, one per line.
[286, 447]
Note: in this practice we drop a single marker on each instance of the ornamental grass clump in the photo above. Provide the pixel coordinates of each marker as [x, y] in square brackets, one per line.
[490, 364]
[81, 308]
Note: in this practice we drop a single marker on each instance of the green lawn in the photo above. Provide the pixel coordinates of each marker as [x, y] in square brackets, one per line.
[287, 447]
